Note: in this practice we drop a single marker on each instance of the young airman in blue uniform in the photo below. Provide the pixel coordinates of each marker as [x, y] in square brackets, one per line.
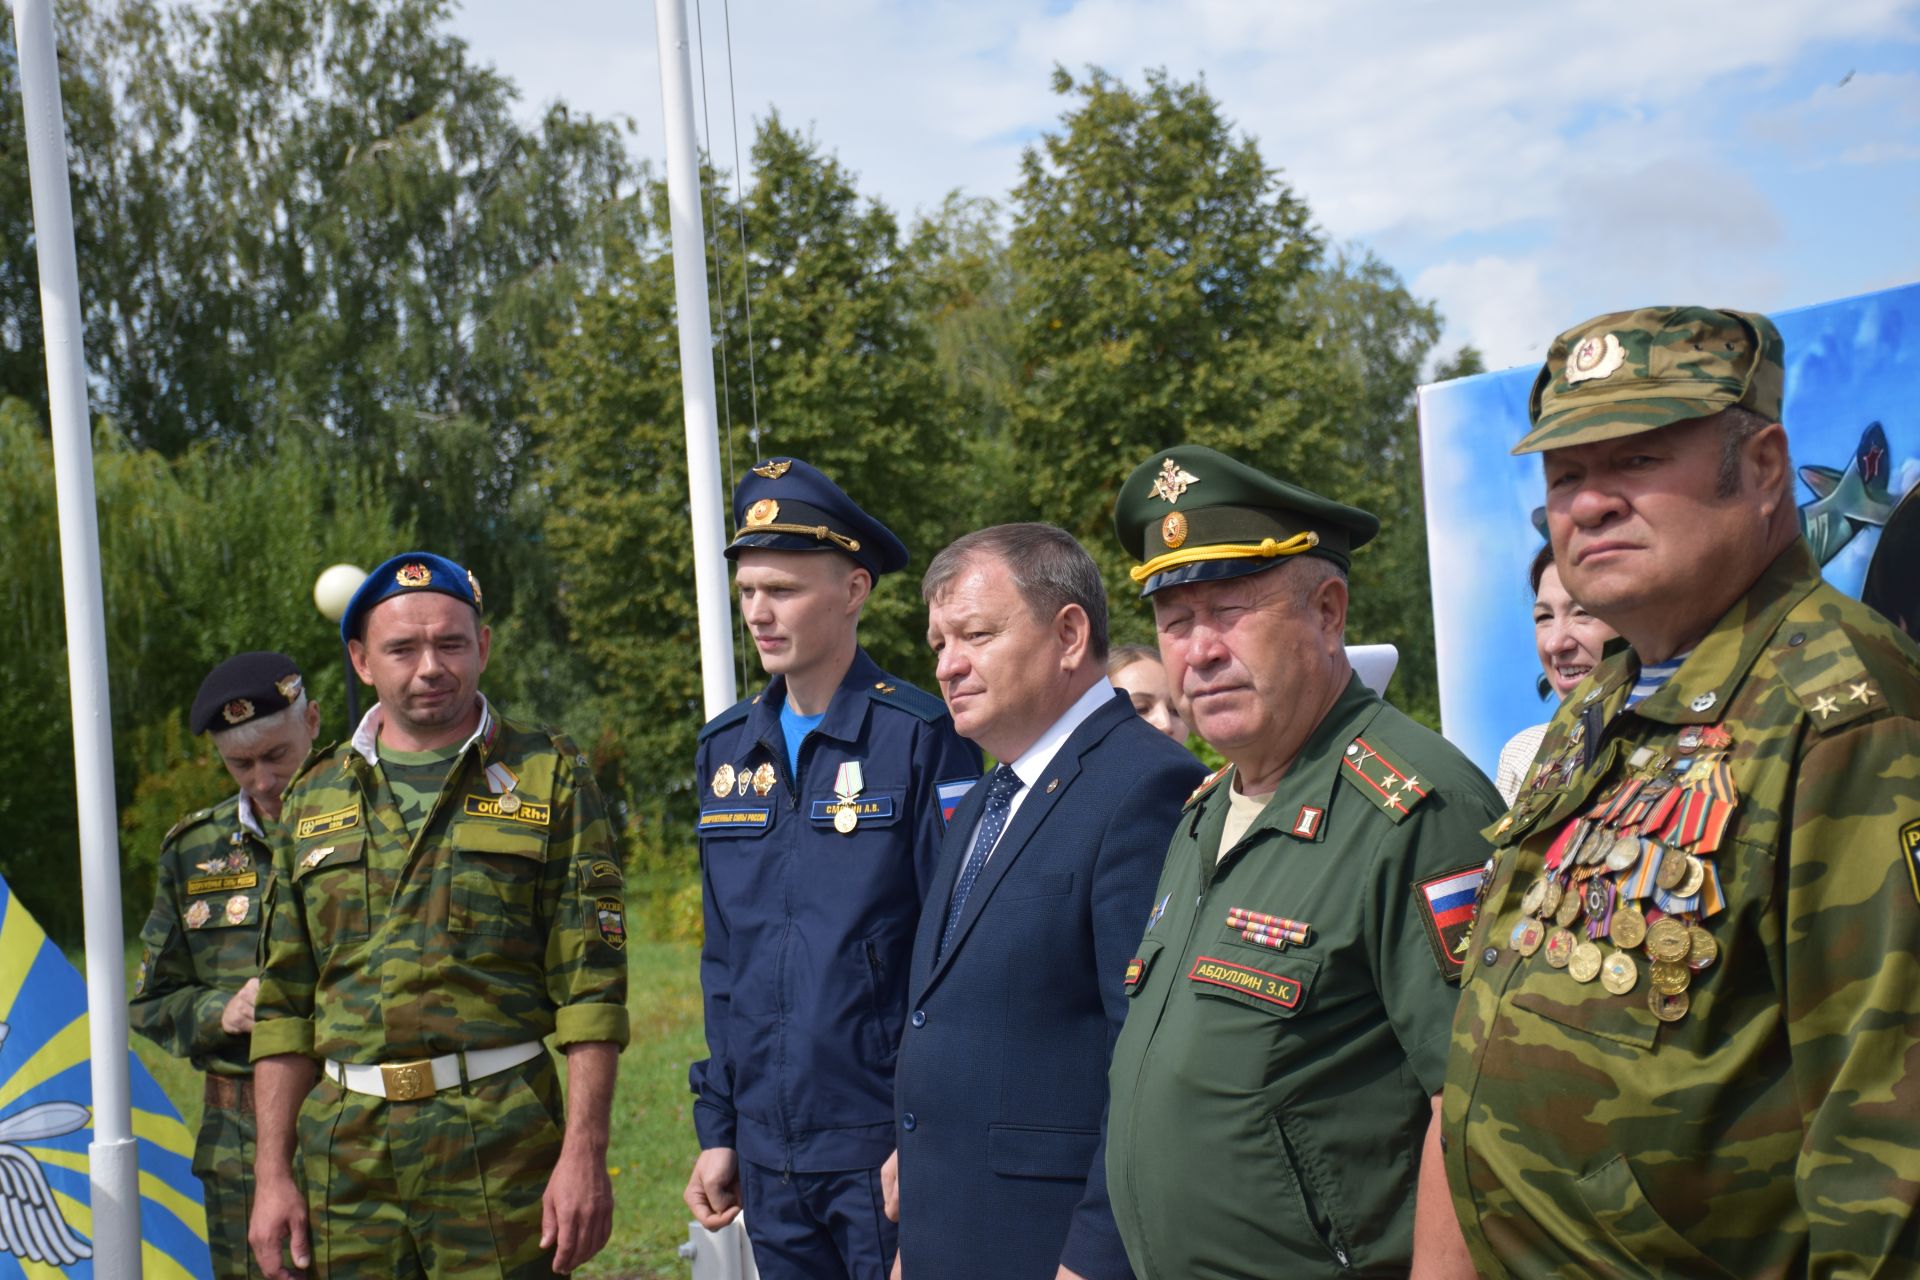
[823, 799]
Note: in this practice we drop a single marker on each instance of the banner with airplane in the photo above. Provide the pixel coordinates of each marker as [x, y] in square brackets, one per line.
[1852, 415]
[46, 1093]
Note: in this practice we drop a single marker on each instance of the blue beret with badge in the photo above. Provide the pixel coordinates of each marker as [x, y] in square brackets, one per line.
[406, 573]
[244, 688]
[784, 504]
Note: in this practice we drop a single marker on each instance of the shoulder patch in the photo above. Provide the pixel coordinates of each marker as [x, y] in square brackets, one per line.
[1206, 784]
[1382, 777]
[1446, 908]
[898, 693]
[731, 716]
[193, 819]
[1824, 672]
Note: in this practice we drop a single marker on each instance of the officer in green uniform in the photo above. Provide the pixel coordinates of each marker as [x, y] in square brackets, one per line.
[1273, 1089]
[195, 993]
[446, 895]
[1689, 1038]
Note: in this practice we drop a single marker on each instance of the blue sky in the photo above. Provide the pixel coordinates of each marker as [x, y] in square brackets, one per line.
[1523, 165]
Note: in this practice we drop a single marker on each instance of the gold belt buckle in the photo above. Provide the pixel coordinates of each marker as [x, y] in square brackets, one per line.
[406, 1081]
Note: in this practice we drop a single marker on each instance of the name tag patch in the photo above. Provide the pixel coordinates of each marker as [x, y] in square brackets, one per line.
[534, 815]
[222, 884]
[327, 823]
[733, 819]
[1258, 983]
[873, 807]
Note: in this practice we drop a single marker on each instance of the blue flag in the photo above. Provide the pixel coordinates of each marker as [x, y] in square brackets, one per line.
[46, 1122]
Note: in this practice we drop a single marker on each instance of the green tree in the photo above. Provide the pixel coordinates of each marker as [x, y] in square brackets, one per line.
[844, 375]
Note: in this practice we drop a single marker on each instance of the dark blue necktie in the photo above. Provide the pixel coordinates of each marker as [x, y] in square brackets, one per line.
[993, 820]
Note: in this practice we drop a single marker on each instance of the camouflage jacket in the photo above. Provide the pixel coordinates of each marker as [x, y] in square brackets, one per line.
[201, 941]
[498, 921]
[1738, 1098]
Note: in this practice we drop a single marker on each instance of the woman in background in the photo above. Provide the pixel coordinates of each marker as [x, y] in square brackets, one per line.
[1136, 671]
[1569, 641]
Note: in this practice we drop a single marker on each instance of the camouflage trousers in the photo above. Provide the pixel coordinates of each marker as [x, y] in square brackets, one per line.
[444, 1186]
[223, 1161]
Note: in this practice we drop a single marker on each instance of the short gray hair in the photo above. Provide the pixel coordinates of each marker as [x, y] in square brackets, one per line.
[242, 737]
[1739, 424]
[1049, 568]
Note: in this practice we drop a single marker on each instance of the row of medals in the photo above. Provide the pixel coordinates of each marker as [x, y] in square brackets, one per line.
[235, 910]
[726, 778]
[1609, 839]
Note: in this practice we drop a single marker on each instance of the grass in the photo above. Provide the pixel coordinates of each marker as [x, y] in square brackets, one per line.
[651, 1146]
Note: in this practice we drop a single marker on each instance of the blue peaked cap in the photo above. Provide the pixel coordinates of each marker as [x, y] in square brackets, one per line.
[784, 504]
[409, 572]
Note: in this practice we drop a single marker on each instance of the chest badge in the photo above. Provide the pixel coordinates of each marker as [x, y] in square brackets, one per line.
[847, 784]
[236, 909]
[763, 779]
[723, 780]
[198, 913]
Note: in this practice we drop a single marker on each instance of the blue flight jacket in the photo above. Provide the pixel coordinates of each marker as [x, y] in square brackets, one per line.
[809, 928]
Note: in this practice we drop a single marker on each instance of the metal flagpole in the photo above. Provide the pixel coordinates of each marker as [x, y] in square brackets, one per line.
[705, 485]
[112, 1163]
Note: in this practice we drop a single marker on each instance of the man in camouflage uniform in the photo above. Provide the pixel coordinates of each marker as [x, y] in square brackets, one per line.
[1689, 1040]
[1274, 1090]
[195, 993]
[445, 896]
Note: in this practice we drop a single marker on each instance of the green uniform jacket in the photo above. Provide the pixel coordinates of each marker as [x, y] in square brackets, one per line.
[200, 944]
[1774, 1128]
[486, 929]
[1268, 1106]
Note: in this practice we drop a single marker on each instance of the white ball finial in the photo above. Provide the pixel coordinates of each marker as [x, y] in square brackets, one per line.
[333, 589]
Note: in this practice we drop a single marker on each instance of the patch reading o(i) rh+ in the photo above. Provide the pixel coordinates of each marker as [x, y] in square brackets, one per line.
[1247, 980]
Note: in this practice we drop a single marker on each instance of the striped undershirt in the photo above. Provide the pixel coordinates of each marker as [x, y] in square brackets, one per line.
[1652, 676]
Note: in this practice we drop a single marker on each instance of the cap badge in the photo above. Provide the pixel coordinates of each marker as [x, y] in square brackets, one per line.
[288, 686]
[763, 512]
[773, 470]
[1173, 530]
[413, 575]
[1172, 481]
[473, 585]
[238, 711]
[1597, 356]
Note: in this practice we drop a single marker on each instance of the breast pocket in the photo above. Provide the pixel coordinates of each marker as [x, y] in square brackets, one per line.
[497, 869]
[330, 874]
[1276, 983]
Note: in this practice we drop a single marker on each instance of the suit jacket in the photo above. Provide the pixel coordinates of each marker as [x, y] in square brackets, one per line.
[1001, 1085]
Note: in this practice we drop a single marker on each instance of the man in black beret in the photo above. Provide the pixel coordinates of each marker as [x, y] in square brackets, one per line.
[195, 992]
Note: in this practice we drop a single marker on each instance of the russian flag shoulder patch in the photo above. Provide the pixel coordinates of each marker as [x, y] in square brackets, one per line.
[951, 794]
[1447, 903]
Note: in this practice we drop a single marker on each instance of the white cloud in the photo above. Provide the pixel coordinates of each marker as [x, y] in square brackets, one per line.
[1521, 129]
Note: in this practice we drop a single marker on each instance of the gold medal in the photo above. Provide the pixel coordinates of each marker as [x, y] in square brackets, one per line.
[1528, 935]
[1703, 950]
[845, 820]
[1550, 901]
[1619, 973]
[1673, 869]
[1629, 928]
[1668, 1007]
[1586, 962]
[723, 780]
[1669, 977]
[1667, 939]
[509, 803]
[1559, 948]
[1569, 910]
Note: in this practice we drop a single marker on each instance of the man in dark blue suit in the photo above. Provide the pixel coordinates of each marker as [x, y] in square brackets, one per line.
[1044, 886]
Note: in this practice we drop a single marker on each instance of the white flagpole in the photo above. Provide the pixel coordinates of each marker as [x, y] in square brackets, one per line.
[112, 1164]
[705, 485]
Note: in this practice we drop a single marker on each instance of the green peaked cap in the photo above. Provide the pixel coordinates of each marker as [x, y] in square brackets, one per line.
[1632, 371]
[1193, 514]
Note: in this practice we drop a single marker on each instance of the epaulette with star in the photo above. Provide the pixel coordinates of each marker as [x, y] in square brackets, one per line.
[1826, 673]
[1207, 784]
[1382, 777]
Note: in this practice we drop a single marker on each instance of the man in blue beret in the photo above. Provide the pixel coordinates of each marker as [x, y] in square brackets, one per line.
[823, 800]
[446, 897]
[194, 995]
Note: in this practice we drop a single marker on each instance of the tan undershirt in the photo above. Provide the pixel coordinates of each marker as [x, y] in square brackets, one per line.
[1241, 811]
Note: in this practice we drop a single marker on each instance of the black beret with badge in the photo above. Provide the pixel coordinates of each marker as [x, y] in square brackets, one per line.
[244, 688]
[1193, 514]
[784, 504]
